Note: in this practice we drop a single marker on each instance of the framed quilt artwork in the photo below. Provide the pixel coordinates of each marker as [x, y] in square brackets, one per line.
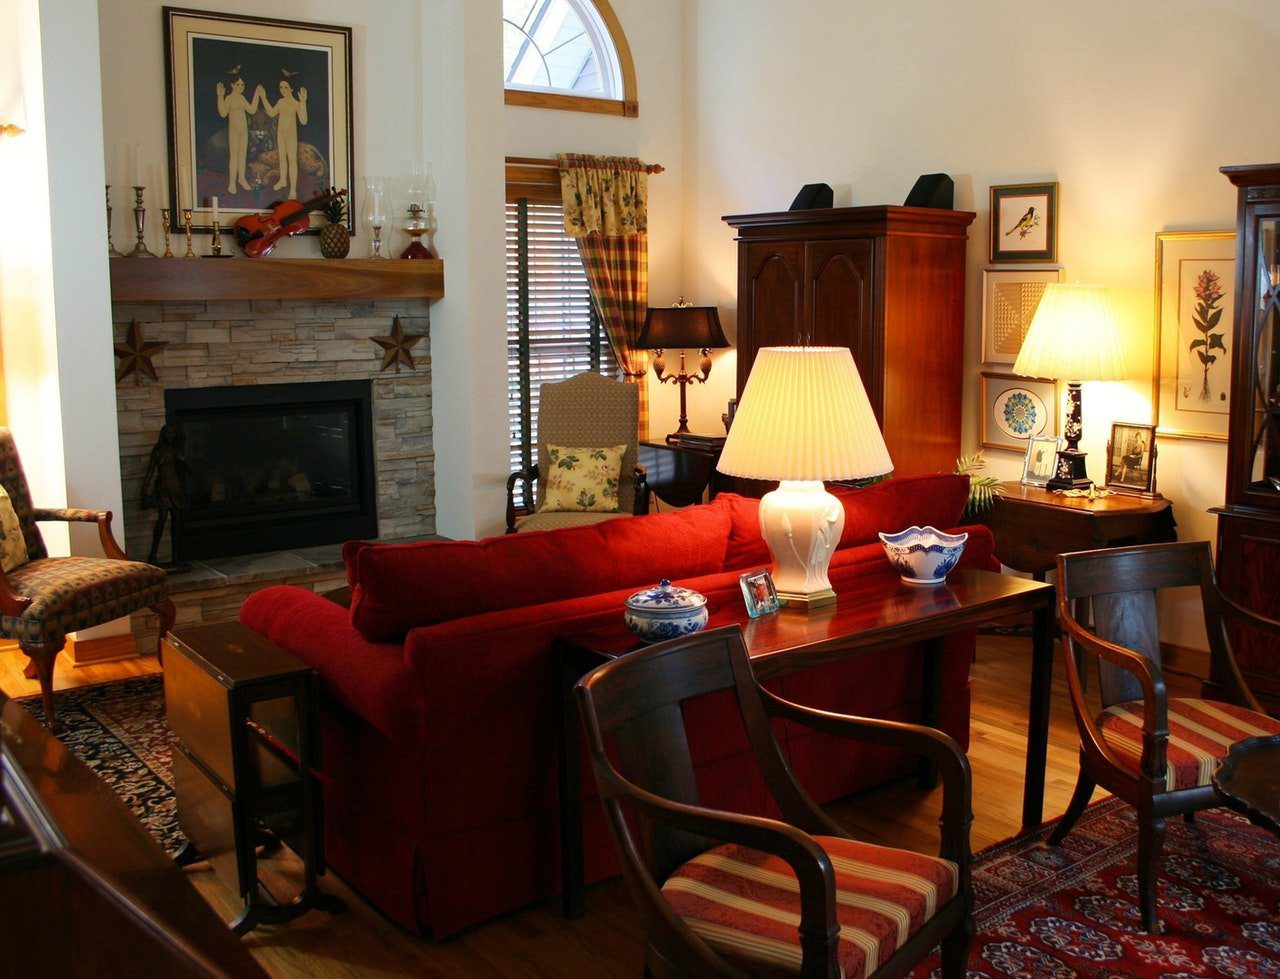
[1195, 307]
[259, 112]
[1014, 409]
[1024, 223]
[1009, 300]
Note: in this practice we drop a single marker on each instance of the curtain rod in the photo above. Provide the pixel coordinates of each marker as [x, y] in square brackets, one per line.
[532, 161]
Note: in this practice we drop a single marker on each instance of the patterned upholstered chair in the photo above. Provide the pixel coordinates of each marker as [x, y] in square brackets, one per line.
[726, 894]
[588, 409]
[47, 597]
[1155, 752]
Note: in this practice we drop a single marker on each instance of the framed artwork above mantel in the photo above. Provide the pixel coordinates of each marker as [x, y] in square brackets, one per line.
[259, 112]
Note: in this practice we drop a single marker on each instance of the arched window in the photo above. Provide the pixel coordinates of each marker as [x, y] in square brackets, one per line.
[567, 54]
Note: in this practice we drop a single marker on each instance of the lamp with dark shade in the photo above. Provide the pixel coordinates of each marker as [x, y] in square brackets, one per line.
[682, 327]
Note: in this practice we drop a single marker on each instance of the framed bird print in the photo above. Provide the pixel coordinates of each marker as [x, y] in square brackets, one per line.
[1024, 223]
[259, 112]
[1195, 306]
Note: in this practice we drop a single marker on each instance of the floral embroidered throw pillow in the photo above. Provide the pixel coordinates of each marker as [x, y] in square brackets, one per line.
[13, 545]
[583, 480]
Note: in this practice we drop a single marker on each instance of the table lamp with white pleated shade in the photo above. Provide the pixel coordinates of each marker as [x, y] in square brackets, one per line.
[803, 417]
[1073, 337]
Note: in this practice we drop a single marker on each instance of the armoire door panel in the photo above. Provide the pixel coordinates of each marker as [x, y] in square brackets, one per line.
[772, 286]
[839, 289]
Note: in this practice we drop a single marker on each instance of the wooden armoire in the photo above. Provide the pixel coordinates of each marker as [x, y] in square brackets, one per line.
[1249, 521]
[888, 283]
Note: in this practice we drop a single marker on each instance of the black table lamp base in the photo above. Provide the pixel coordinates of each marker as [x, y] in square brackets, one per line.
[1069, 471]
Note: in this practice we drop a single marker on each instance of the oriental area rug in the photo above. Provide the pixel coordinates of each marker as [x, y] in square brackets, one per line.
[1042, 912]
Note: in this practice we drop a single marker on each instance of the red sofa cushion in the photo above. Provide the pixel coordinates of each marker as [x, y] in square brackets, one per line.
[746, 547]
[370, 679]
[398, 587]
[936, 499]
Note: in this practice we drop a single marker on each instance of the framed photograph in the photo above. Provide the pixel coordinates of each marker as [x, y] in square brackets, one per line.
[1024, 223]
[1009, 300]
[259, 112]
[1195, 306]
[1131, 458]
[1015, 409]
[759, 593]
[1042, 454]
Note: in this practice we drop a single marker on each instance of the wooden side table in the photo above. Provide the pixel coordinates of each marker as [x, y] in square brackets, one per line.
[1032, 526]
[678, 475]
[243, 712]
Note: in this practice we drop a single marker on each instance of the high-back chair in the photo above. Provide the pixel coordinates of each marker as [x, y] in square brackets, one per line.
[726, 894]
[587, 410]
[1156, 753]
[44, 598]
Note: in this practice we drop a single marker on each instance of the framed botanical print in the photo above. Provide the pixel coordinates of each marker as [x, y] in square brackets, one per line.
[1131, 458]
[1014, 409]
[1195, 306]
[1024, 223]
[259, 112]
[1009, 300]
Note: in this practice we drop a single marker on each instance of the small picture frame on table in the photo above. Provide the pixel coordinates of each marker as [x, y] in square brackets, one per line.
[1040, 461]
[1131, 459]
[1024, 223]
[759, 593]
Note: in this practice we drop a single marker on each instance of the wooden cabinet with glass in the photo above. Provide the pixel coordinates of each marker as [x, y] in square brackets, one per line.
[1249, 521]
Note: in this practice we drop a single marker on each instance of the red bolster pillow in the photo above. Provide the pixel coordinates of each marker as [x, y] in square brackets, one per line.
[398, 587]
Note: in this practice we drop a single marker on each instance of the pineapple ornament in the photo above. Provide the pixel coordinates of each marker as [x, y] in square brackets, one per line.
[335, 239]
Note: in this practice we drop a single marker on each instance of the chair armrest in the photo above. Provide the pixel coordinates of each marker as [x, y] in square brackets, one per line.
[1234, 678]
[101, 517]
[530, 479]
[1253, 619]
[938, 747]
[640, 479]
[1155, 702]
[806, 858]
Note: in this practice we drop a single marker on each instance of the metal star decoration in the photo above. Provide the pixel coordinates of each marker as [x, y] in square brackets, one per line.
[136, 355]
[397, 347]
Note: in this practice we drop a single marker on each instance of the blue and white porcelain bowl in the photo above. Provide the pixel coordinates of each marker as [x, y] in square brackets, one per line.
[666, 612]
[923, 555]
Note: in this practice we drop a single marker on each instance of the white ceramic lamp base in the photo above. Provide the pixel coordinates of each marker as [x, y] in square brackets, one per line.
[801, 522]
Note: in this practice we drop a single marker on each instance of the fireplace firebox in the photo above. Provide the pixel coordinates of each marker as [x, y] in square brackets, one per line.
[273, 466]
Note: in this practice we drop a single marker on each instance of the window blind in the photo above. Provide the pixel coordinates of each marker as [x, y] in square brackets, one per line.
[553, 332]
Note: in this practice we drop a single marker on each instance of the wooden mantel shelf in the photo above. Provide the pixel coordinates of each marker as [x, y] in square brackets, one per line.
[142, 280]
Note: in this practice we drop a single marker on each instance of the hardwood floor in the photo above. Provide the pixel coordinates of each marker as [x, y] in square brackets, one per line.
[538, 942]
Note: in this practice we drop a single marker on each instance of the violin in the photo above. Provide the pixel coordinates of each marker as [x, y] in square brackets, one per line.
[257, 234]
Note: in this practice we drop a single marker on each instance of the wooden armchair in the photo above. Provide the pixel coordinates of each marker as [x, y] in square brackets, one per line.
[588, 409]
[1156, 753]
[720, 893]
[45, 598]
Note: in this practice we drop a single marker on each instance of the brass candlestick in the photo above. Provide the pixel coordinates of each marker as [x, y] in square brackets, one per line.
[140, 250]
[164, 223]
[112, 251]
[215, 247]
[186, 223]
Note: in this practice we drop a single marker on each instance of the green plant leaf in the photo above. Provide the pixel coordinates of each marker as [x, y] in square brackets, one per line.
[1215, 342]
[1198, 343]
[1213, 319]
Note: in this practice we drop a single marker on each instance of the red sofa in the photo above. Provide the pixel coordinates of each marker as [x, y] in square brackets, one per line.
[439, 706]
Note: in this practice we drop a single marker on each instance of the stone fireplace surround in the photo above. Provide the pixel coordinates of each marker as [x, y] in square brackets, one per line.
[237, 342]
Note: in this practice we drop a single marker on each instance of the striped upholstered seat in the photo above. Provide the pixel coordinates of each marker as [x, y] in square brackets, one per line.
[1200, 732]
[745, 903]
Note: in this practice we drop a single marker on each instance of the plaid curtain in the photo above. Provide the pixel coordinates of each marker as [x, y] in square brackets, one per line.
[606, 212]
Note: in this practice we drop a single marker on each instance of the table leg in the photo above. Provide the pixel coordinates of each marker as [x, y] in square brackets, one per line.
[1038, 722]
[930, 703]
[572, 872]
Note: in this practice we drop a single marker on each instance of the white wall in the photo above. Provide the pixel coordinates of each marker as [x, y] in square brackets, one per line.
[1132, 107]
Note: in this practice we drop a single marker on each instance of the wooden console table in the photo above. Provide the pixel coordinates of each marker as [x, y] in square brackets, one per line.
[1032, 526]
[678, 475]
[876, 613]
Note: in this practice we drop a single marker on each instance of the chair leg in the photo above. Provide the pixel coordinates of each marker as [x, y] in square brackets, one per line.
[1079, 802]
[1150, 842]
[42, 656]
[168, 614]
[955, 949]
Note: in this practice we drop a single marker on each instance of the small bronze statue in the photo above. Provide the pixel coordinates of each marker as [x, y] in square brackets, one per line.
[162, 487]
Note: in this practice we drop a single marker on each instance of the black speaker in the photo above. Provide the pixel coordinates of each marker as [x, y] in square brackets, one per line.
[812, 196]
[932, 190]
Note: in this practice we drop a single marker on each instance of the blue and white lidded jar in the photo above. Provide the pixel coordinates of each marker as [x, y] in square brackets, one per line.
[666, 612]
